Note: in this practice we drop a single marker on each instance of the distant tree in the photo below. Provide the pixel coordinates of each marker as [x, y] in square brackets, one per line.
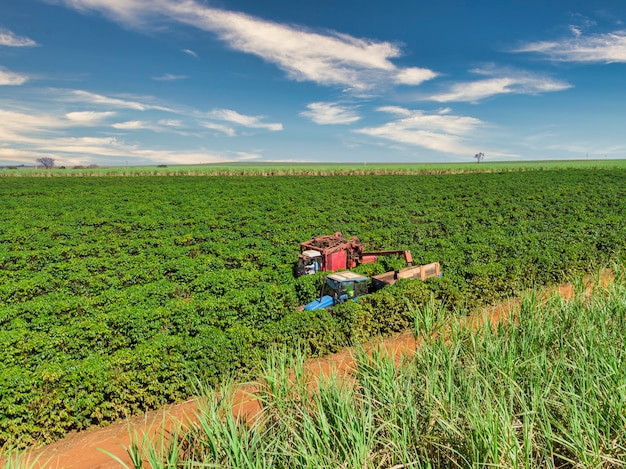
[479, 157]
[46, 162]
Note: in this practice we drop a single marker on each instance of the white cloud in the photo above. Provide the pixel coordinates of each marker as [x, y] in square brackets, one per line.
[290, 160]
[170, 123]
[247, 121]
[94, 98]
[160, 126]
[329, 58]
[330, 113]
[48, 131]
[39, 130]
[28, 136]
[170, 77]
[588, 149]
[8, 38]
[414, 76]
[183, 157]
[247, 156]
[190, 52]
[21, 156]
[397, 110]
[131, 125]
[88, 117]
[38, 133]
[11, 78]
[23, 127]
[229, 115]
[601, 48]
[437, 122]
[576, 30]
[220, 128]
[442, 133]
[110, 147]
[500, 82]
[422, 138]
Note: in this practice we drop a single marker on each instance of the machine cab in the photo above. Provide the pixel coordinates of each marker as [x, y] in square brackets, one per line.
[347, 285]
[309, 262]
[339, 288]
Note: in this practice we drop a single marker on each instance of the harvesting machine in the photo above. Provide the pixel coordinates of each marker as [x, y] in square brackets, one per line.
[330, 253]
[350, 286]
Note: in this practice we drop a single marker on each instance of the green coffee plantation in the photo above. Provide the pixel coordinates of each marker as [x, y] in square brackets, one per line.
[116, 293]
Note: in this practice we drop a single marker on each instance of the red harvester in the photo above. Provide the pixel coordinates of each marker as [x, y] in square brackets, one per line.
[335, 252]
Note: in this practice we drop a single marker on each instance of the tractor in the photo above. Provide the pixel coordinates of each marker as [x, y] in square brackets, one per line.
[350, 286]
[339, 288]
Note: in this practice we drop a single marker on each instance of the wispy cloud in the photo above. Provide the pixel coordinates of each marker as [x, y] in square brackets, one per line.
[190, 52]
[220, 128]
[330, 113]
[77, 149]
[115, 102]
[414, 76]
[396, 110]
[10, 39]
[327, 58]
[131, 125]
[170, 77]
[23, 126]
[187, 157]
[595, 48]
[254, 122]
[160, 126]
[88, 117]
[170, 122]
[588, 149]
[26, 136]
[135, 104]
[500, 81]
[439, 132]
[247, 156]
[38, 130]
[11, 78]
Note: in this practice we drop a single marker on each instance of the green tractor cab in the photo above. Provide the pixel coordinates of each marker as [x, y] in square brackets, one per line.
[349, 286]
[339, 288]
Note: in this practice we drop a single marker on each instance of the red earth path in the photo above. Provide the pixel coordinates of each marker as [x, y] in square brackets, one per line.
[83, 450]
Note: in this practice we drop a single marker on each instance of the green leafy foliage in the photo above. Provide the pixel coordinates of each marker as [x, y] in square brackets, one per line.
[115, 291]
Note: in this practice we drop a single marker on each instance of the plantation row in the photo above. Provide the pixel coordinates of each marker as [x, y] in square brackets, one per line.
[114, 292]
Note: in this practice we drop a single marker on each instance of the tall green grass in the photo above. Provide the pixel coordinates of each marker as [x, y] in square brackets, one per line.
[17, 460]
[544, 389]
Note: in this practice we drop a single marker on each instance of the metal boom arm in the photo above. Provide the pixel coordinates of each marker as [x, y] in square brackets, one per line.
[407, 255]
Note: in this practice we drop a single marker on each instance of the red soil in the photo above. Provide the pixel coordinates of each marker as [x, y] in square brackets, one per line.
[84, 450]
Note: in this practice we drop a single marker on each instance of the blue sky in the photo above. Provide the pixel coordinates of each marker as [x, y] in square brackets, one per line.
[128, 82]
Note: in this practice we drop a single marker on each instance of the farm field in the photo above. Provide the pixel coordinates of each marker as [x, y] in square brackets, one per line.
[357, 411]
[115, 293]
